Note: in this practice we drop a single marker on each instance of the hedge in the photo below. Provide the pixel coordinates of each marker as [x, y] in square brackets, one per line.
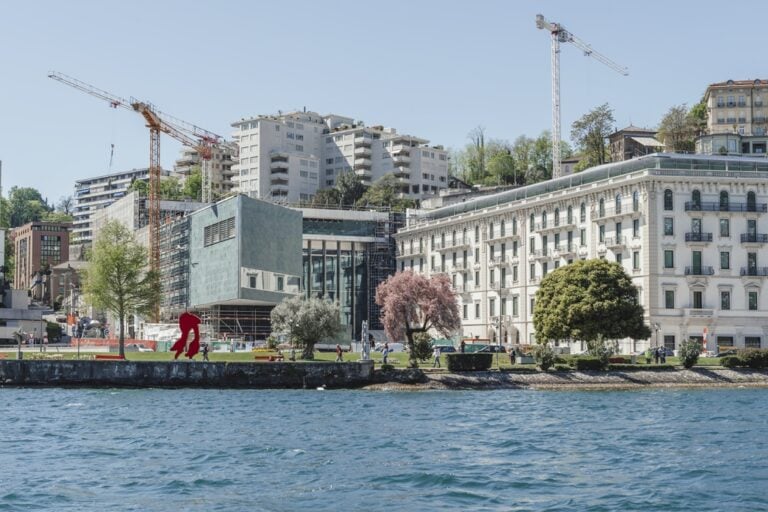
[644, 367]
[754, 358]
[731, 361]
[474, 362]
[586, 363]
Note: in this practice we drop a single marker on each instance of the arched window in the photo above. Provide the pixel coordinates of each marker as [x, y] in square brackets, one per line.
[583, 213]
[477, 233]
[751, 202]
[453, 237]
[635, 201]
[557, 216]
[514, 226]
[668, 204]
[570, 214]
[696, 199]
[531, 222]
[464, 236]
[502, 228]
[544, 219]
[617, 203]
[601, 208]
[421, 244]
[411, 244]
[432, 242]
[442, 239]
[723, 200]
[490, 230]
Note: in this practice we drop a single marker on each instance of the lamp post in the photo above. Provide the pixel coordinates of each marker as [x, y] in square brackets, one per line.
[657, 327]
[498, 341]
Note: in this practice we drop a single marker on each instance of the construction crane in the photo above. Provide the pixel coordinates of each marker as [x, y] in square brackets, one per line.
[561, 35]
[188, 134]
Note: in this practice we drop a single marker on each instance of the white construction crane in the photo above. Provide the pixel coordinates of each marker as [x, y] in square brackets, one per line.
[561, 35]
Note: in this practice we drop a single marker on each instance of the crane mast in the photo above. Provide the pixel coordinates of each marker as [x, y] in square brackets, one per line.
[559, 35]
[157, 122]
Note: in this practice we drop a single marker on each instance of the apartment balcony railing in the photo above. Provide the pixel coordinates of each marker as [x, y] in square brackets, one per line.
[281, 171]
[496, 262]
[400, 149]
[699, 271]
[699, 312]
[437, 269]
[698, 237]
[459, 266]
[754, 238]
[564, 250]
[362, 151]
[691, 206]
[279, 164]
[497, 237]
[402, 172]
[625, 211]
[618, 241]
[403, 160]
[754, 271]
[362, 140]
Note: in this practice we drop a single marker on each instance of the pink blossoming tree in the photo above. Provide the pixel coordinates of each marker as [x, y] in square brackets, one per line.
[411, 303]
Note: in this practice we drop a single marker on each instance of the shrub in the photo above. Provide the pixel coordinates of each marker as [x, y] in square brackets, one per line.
[545, 356]
[618, 360]
[731, 361]
[422, 346]
[271, 343]
[458, 362]
[645, 367]
[689, 353]
[587, 363]
[754, 358]
[387, 367]
[562, 368]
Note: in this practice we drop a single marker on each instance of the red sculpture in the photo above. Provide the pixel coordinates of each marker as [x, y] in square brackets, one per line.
[187, 322]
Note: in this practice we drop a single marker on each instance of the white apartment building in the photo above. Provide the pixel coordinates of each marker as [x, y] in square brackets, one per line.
[289, 157]
[222, 159]
[93, 194]
[737, 118]
[690, 230]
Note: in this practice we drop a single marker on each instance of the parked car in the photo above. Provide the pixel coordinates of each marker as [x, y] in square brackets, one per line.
[137, 347]
[393, 347]
[445, 349]
[493, 348]
[731, 352]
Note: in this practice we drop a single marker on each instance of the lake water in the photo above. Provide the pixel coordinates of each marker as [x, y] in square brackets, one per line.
[232, 450]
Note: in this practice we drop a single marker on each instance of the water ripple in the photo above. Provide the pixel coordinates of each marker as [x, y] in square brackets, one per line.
[210, 450]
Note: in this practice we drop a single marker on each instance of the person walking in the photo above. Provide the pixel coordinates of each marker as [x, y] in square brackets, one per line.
[462, 346]
[512, 356]
[436, 354]
[339, 353]
[385, 353]
[205, 352]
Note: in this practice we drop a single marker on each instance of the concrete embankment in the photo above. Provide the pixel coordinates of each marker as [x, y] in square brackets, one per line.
[178, 374]
[695, 377]
[287, 375]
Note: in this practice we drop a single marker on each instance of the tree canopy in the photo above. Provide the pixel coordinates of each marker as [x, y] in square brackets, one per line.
[677, 129]
[24, 204]
[588, 300]
[412, 303]
[386, 192]
[589, 134]
[306, 321]
[116, 279]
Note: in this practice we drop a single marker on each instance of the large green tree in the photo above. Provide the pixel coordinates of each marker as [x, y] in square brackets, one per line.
[350, 188]
[25, 204]
[589, 134]
[193, 185]
[117, 279]
[589, 300]
[386, 192]
[677, 130]
[306, 321]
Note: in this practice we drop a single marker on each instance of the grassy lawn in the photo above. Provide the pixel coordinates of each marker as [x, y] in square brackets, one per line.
[397, 359]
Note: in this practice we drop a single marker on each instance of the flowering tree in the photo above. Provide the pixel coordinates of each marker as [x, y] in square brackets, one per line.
[411, 303]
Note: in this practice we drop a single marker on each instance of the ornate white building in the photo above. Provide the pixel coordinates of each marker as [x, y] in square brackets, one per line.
[690, 230]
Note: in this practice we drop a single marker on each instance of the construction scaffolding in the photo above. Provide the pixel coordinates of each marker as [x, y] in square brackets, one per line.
[381, 263]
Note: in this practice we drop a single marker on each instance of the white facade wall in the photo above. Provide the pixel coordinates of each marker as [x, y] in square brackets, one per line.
[497, 254]
[337, 145]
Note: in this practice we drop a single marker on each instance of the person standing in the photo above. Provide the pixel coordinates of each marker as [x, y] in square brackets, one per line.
[512, 356]
[436, 354]
[462, 346]
[384, 353]
[339, 353]
[205, 352]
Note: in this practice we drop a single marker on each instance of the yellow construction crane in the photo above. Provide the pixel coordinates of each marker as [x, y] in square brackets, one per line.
[157, 122]
[561, 35]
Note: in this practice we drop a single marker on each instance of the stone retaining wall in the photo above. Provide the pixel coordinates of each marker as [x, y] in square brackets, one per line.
[184, 374]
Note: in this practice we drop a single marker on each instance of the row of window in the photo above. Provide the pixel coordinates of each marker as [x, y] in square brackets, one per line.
[697, 300]
[723, 204]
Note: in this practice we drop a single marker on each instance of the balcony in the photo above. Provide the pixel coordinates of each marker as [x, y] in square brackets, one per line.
[459, 266]
[280, 171]
[494, 237]
[400, 149]
[715, 206]
[698, 237]
[401, 160]
[278, 181]
[437, 269]
[699, 271]
[539, 254]
[364, 174]
[565, 250]
[279, 164]
[363, 151]
[363, 141]
[754, 238]
[497, 262]
[613, 242]
[400, 172]
[698, 312]
[612, 213]
[754, 271]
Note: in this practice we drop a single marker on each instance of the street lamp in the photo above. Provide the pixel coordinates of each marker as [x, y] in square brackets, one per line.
[657, 327]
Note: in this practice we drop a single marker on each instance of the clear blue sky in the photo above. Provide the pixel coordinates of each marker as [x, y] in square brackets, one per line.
[435, 69]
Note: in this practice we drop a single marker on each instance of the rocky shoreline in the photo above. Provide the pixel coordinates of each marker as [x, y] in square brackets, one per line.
[571, 380]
